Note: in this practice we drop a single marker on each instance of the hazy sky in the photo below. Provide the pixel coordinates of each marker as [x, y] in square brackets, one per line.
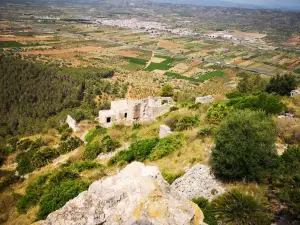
[275, 2]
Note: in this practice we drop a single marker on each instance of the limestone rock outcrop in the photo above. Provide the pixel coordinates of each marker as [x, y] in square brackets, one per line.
[136, 195]
[198, 182]
[164, 131]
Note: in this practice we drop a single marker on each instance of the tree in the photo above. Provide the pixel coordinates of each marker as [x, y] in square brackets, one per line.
[238, 208]
[282, 85]
[251, 83]
[245, 146]
[167, 90]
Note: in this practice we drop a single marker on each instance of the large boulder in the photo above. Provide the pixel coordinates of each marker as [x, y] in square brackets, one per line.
[137, 195]
[198, 182]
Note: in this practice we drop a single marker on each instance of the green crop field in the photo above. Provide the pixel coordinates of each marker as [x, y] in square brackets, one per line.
[142, 62]
[165, 65]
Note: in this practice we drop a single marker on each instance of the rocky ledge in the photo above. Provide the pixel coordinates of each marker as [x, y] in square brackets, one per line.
[136, 195]
[198, 181]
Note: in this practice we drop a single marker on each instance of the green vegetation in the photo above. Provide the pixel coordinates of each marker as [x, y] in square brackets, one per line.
[282, 85]
[69, 145]
[270, 104]
[251, 83]
[98, 131]
[181, 122]
[167, 145]
[165, 65]
[238, 208]
[217, 112]
[59, 195]
[142, 148]
[245, 146]
[152, 149]
[167, 90]
[208, 209]
[105, 144]
[284, 182]
[297, 70]
[201, 79]
[142, 62]
[56, 92]
[52, 191]
[171, 177]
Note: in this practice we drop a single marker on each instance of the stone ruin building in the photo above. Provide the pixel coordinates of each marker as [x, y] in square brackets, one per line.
[128, 111]
[205, 99]
[72, 123]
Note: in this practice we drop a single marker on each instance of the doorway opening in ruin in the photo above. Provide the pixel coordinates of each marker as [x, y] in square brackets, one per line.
[137, 112]
[125, 115]
[108, 119]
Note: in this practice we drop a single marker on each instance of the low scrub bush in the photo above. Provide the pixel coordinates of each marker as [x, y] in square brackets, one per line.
[9, 180]
[217, 112]
[44, 156]
[32, 195]
[84, 165]
[61, 175]
[180, 122]
[208, 209]
[206, 131]
[106, 144]
[57, 196]
[98, 131]
[142, 148]
[238, 208]
[171, 177]
[167, 145]
[69, 145]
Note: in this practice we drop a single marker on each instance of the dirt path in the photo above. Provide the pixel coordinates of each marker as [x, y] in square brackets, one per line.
[152, 56]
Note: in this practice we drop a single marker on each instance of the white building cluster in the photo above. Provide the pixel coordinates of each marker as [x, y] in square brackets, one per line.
[128, 111]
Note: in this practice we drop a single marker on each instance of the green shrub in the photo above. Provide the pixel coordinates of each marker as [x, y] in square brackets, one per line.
[98, 131]
[9, 180]
[194, 106]
[270, 104]
[32, 195]
[142, 148]
[206, 131]
[244, 146]
[94, 148]
[61, 175]
[171, 177]
[208, 209]
[251, 83]
[136, 126]
[44, 156]
[167, 90]
[84, 165]
[179, 122]
[217, 112]
[238, 208]
[285, 181]
[282, 85]
[24, 164]
[69, 145]
[167, 145]
[57, 196]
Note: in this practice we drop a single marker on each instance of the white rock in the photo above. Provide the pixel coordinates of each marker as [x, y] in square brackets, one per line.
[137, 195]
[164, 131]
[198, 182]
